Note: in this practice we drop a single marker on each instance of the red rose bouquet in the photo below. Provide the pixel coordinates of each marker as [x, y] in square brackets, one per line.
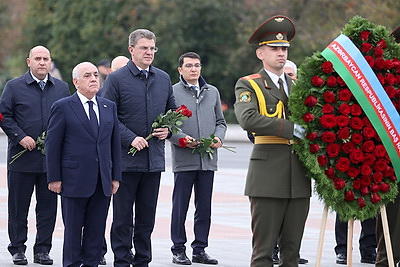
[203, 146]
[172, 120]
[341, 150]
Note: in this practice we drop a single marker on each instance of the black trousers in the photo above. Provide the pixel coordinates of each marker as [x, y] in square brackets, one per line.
[367, 239]
[20, 190]
[138, 190]
[185, 182]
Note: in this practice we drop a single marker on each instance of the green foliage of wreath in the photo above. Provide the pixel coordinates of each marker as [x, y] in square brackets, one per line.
[324, 186]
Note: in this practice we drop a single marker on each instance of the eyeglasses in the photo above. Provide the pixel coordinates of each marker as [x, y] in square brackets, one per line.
[146, 48]
[189, 66]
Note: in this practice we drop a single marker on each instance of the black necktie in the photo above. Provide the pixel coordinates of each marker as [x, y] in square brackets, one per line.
[282, 88]
[42, 84]
[144, 74]
[93, 118]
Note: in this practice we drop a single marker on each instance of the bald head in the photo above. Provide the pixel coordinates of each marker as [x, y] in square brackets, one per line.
[118, 62]
[39, 61]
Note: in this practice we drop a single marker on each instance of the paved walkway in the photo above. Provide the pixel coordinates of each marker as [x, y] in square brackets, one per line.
[230, 237]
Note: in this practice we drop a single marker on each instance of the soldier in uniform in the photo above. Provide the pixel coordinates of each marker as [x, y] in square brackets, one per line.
[276, 185]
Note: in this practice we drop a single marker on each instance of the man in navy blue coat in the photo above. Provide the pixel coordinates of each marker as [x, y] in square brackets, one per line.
[141, 92]
[25, 105]
[83, 155]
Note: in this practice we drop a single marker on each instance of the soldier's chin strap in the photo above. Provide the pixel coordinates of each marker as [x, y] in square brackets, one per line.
[262, 105]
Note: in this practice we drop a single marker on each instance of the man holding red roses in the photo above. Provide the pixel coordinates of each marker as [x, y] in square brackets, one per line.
[278, 189]
[191, 170]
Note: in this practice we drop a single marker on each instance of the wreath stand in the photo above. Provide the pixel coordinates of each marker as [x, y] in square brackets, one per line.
[350, 225]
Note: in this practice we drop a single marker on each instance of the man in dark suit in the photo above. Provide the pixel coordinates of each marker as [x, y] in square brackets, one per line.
[25, 105]
[83, 155]
[278, 189]
[142, 92]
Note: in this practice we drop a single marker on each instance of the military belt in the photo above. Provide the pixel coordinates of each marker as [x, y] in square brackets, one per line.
[266, 139]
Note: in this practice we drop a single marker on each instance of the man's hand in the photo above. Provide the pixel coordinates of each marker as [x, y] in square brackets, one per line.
[160, 133]
[218, 144]
[139, 143]
[28, 143]
[114, 186]
[191, 142]
[55, 187]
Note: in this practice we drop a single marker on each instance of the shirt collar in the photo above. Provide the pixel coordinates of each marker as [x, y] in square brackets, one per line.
[275, 77]
[84, 99]
[37, 80]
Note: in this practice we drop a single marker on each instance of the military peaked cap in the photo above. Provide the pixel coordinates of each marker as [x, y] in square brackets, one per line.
[275, 31]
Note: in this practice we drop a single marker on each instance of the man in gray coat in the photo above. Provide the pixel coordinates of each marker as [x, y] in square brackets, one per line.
[193, 169]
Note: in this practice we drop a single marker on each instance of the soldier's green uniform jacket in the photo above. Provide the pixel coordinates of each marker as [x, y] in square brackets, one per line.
[268, 174]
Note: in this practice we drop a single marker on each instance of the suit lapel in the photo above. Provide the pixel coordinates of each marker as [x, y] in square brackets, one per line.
[77, 108]
[275, 91]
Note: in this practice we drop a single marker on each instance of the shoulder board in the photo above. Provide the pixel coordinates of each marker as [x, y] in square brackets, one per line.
[252, 76]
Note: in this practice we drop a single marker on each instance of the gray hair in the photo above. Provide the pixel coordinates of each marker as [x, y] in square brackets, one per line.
[76, 69]
[291, 64]
[138, 34]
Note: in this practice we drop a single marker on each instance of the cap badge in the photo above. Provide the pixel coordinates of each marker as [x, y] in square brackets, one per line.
[279, 19]
[279, 36]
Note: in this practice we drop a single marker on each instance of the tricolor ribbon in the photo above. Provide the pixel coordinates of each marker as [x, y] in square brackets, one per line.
[352, 67]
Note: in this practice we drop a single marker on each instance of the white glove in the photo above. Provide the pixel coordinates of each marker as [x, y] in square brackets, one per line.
[298, 131]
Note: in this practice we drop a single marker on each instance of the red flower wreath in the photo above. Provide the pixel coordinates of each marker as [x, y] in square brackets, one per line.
[341, 150]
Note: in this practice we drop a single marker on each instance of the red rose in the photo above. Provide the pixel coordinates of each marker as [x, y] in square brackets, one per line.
[374, 188]
[314, 148]
[389, 64]
[368, 146]
[377, 177]
[357, 184]
[329, 97]
[380, 165]
[356, 156]
[310, 101]
[333, 150]
[343, 164]
[322, 160]
[343, 133]
[327, 67]
[364, 35]
[349, 196]
[342, 120]
[182, 142]
[390, 79]
[367, 122]
[369, 132]
[330, 172]
[312, 136]
[366, 170]
[382, 44]
[344, 95]
[391, 92]
[341, 82]
[366, 47]
[356, 123]
[379, 64]
[348, 147]
[384, 187]
[328, 121]
[389, 172]
[369, 159]
[327, 108]
[331, 82]
[353, 172]
[184, 111]
[375, 198]
[339, 183]
[370, 60]
[317, 81]
[361, 202]
[378, 52]
[344, 109]
[356, 138]
[308, 117]
[364, 190]
[328, 137]
[356, 110]
[366, 181]
[380, 151]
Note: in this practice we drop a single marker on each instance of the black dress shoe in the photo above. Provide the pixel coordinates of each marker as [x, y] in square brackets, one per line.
[341, 258]
[204, 258]
[42, 258]
[102, 261]
[303, 261]
[275, 257]
[19, 258]
[368, 258]
[181, 258]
